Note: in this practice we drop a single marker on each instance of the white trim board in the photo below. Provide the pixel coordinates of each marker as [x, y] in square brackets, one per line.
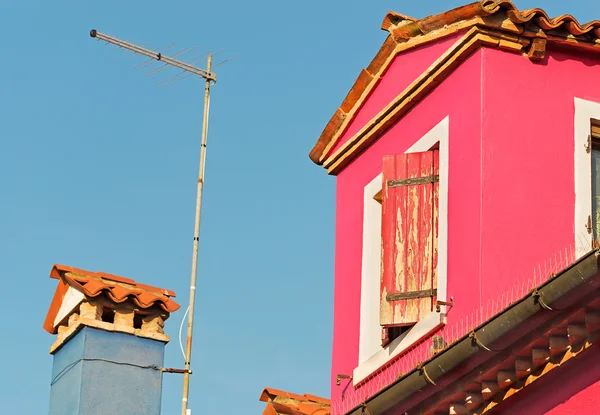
[370, 353]
[370, 330]
[585, 111]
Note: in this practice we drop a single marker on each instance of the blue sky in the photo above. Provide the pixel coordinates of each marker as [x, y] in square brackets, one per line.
[98, 168]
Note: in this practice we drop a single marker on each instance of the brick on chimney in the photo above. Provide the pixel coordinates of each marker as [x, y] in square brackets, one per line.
[153, 323]
[89, 310]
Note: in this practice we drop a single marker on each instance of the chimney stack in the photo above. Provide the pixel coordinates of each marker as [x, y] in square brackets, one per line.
[109, 348]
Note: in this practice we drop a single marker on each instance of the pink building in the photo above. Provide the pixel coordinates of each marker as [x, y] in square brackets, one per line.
[465, 157]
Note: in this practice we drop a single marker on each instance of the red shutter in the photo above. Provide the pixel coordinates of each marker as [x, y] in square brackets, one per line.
[409, 237]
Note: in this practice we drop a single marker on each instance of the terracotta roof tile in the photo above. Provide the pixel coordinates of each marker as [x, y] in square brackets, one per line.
[117, 289]
[314, 398]
[287, 403]
[485, 8]
[406, 32]
[269, 410]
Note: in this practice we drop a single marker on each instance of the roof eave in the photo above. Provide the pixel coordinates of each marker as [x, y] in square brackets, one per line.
[562, 291]
[363, 85]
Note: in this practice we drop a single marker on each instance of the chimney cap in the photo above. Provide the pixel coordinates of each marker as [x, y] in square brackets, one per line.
[77, 285]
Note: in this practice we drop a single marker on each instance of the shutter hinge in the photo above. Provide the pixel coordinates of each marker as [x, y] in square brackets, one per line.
[414, 180]
[588, 226]
[410, 295]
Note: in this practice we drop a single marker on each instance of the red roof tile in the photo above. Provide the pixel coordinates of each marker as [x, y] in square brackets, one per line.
[412, 27]
[117, 289]
[287, 403]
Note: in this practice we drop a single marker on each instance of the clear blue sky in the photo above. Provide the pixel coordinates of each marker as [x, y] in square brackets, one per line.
[98, 168]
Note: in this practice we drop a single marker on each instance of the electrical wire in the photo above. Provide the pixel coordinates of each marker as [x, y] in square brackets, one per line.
[180, 330]
[72, 365]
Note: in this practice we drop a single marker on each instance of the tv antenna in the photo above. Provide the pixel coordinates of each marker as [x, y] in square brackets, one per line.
[187, 70]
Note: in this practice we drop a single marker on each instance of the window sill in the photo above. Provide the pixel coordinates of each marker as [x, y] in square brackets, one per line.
[429, 324]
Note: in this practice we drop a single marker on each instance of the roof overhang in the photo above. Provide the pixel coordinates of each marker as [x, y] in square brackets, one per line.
[287, 403]
[561, 314]
[486, 23]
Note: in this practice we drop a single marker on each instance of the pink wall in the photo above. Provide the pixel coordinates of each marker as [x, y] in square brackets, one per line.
[528, 196]
[511, 185]
[463, 204]
[527, 164]
[406, 67]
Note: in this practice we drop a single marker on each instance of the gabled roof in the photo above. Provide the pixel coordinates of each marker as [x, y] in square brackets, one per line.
[495, 23]
[117, 289]
[286, 403]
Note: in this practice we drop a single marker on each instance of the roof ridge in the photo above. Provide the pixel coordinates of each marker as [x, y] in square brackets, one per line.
[58, 268]
[548, 23]
[271, 394]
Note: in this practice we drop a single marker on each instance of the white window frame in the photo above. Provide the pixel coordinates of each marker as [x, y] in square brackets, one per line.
[371, 355]
[585, 112]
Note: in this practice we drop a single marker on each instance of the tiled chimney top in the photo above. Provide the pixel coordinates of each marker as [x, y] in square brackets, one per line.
[107, 302]
[281, 402]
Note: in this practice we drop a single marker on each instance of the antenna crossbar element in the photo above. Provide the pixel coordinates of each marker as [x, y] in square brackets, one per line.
[206, 74]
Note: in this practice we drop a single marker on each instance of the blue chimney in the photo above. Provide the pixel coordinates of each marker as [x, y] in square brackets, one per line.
[108, 354]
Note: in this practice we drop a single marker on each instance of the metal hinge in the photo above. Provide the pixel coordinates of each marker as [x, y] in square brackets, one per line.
[409, 295]
[414, 180]
[339, 377]
[439, 304]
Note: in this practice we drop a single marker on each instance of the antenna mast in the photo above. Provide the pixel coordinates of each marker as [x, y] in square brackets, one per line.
[209, 78]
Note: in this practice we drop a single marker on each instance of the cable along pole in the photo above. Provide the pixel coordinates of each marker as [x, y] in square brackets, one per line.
[210, 78]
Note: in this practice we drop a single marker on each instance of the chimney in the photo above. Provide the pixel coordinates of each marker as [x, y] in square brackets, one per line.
[109, 348]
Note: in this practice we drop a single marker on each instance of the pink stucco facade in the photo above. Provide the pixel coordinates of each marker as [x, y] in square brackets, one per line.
[352, 180]
[511, 192]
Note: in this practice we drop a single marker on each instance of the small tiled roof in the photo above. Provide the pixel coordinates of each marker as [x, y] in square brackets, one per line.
[286, 403]
[117, 289]
[529, 27]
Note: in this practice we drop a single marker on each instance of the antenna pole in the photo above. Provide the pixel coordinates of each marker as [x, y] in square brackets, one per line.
[209, 78]
[190, 325]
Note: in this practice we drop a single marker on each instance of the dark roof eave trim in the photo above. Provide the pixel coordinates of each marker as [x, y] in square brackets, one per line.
[576, 279]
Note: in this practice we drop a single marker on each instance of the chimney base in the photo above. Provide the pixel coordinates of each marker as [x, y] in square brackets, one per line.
[97, 372]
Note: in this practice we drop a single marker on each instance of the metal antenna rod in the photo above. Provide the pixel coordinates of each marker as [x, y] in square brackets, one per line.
[210, 78]
[206, 74]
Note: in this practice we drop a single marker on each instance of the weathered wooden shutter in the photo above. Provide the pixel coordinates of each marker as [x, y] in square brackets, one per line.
[409, 237]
